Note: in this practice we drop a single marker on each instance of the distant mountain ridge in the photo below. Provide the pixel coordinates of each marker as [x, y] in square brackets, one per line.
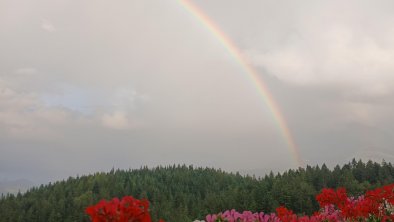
[180, 193]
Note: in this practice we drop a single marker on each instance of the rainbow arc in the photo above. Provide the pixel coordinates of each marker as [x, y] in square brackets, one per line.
[251, 72]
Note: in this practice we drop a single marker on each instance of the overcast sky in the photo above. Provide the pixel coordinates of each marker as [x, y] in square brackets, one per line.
[90, 85]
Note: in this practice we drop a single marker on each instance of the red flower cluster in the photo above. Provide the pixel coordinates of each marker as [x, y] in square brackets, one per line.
[126, 210]
[330, 196]
[375, 205]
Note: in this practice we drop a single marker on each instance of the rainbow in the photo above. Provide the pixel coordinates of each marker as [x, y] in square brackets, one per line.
[252, 74]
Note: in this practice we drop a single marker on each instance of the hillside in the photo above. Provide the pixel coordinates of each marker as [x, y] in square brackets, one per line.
[184, 193]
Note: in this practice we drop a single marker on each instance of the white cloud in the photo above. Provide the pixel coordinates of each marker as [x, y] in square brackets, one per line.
[24, 116]
[125, 98]
[340, 52]
[26, 71]
[47, 25]
[360, 65]
[287, 64]
[116, 120]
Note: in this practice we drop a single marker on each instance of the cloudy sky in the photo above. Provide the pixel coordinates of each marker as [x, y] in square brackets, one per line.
[90, 85]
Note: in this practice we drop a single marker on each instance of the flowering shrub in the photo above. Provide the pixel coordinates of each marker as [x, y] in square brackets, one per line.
[234, 216]
[375, 205]
[336, 205]
[126, 210]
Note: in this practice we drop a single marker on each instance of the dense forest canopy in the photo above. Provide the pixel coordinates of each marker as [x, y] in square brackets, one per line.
[181, 193]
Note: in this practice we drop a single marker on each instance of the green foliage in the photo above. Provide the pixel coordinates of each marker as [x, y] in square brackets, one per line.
[183, 193]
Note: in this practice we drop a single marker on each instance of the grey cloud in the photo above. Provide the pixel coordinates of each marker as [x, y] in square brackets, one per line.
[129, 83]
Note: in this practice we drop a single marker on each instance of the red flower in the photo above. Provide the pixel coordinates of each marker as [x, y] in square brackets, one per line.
[285, 214]
[126, 210]
[329, 196]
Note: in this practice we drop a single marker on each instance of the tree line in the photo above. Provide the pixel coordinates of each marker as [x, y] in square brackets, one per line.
[180, 193]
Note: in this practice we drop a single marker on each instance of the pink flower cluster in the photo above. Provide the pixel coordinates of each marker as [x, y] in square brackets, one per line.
[234, 216]
[328, 213]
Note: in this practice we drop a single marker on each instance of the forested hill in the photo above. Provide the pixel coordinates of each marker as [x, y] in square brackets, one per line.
[183, 193]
